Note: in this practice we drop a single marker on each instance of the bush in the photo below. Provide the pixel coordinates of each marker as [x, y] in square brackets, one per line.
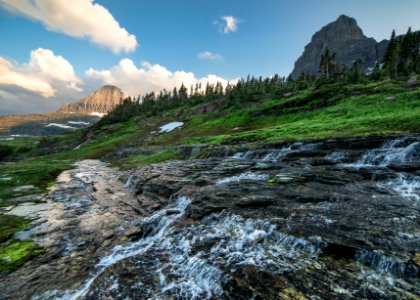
[5, 151]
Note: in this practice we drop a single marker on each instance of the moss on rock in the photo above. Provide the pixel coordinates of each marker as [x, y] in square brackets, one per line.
[9, 225]
[16, 253]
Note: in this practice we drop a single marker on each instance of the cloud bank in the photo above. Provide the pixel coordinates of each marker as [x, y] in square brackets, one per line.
[77, 18]
[44, 71]
[48, 80]
[148, 77]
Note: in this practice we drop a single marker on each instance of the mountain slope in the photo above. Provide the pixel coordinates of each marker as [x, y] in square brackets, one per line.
[68, 117]
[346, 39]
[101, 101]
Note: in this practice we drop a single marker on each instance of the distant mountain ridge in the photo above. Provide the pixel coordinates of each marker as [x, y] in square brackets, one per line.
[101, 101]
[346, 39]
[69, 116]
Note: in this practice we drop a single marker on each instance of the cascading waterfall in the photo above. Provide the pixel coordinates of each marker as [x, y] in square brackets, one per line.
[160, 220]
[386, 264]
[201, 257]
[406, 185]
[276, 155]
[195, 262]
[397, 151]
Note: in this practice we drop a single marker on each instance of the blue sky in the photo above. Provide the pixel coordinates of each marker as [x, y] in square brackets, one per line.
[270, 36]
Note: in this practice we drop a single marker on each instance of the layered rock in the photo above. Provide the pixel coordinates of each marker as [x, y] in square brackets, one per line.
[101, 101]
[346, 39]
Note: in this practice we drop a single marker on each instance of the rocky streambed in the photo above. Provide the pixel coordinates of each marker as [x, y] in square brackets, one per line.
[332, 219]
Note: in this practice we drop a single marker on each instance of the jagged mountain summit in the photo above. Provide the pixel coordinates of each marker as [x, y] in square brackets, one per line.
[346, 39]
[99, 102]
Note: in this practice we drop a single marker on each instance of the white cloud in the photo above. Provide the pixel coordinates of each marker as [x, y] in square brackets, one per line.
[207, 55]
[77, 18]
[148, 77]
[44, 72]
[228, 24]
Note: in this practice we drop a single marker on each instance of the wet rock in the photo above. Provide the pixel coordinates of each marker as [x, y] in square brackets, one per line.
[134, 232]
[169, 212]
[416, 259]
[255, 201]
[28, 198]
[77, 226]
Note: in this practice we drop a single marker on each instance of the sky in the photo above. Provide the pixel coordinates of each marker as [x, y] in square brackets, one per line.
[57, 51]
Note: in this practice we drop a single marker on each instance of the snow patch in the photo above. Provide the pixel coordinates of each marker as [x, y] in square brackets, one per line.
[60, 125]
[98, 114]
[170, 126]
[78, 123]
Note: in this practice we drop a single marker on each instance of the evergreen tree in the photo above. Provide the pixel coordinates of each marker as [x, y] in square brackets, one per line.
[391, 57]
[327, 66]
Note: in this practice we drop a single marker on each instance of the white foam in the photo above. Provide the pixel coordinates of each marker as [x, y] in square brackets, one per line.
[408, 186]
[194, 262]
[244, 176]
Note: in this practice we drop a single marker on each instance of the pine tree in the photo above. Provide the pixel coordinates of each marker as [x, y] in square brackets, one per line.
[327, 66]
[391, 57]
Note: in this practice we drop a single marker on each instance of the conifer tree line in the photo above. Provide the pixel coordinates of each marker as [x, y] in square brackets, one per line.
[402, 58]
[251, 89]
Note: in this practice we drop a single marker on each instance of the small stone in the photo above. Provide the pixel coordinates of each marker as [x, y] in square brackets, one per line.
[287, 95]
[412, 79]
[172, 212]
[416, 259]
[23, 188]
[108, 234]
[390, 98]
[133, 232]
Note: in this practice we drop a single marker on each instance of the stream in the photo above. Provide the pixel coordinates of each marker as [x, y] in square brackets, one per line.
[338, 217]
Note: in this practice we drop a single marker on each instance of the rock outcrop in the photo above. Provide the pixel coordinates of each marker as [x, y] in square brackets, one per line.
[101, 101]
[346, 39]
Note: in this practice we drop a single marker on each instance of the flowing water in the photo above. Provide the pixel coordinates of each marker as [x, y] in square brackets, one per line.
[399, 151]
[361, 249]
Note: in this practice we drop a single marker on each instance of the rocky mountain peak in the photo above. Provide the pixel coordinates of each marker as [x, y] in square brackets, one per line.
[100, 101]
[346, 39]
[342, 29]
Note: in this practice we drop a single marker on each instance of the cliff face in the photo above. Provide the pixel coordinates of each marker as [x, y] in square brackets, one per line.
[346, 39]
[101, 101]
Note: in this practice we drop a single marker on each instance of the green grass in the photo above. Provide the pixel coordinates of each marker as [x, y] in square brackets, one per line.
[9, 225]
[352, 116]
[352, 110]
[37, 171]
[16, 253]
[142, 160]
